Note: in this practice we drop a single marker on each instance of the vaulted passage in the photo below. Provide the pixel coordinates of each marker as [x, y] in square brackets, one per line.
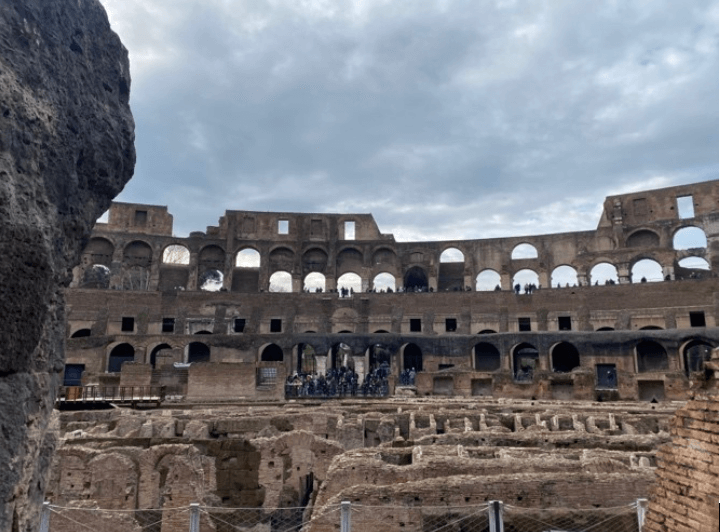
[487, 357]
[412, 357]
[651, 356]
[415, 279]
[565, 357]
[119, 355]
[198, 352]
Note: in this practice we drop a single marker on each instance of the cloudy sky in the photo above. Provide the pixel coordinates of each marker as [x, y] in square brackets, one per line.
[446, 119]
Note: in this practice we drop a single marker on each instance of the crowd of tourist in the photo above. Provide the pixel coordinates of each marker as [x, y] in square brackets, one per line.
[342, 382]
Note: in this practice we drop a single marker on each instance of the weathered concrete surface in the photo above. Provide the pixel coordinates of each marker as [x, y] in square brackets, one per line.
[66, 149]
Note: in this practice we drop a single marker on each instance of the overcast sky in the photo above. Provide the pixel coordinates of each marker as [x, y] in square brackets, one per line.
[444, 119]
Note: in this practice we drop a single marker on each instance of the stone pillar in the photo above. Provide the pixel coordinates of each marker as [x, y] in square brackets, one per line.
[623, 273]
[544, 279]
[192, 283]
[506, 281]
[228, 270]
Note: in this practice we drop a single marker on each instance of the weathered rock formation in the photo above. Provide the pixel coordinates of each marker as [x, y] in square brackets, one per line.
[66, 149]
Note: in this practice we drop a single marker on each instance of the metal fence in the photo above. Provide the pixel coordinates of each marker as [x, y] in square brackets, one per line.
[348, 517]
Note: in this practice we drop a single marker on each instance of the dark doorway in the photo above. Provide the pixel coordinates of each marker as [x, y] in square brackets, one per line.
[412, 357]
[487, 357]
[198, 352]
[272, 353]
[565, 358]
[415, 279]
[119, 355]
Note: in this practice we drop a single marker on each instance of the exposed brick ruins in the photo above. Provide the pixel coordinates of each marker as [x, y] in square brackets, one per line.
[685, 498]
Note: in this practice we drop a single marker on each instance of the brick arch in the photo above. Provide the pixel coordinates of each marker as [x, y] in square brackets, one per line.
[281, 258]
[643, 238]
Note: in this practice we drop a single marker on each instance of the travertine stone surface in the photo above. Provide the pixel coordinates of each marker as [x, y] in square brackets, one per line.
[66, 149]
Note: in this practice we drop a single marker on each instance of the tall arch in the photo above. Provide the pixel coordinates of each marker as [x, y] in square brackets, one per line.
[689, 237]
[98, 251]
[415, 279]
[565, 357]
[525, 360]
[137, 258]
[314, 260]
[349, 260]
[412, 357]
[451, 271]
[272, 353]
[176, 254]
[314, 282]
[524, 277]
[384, 282]
[487, 280]
[487, 357]
[651, 356]
[524, 251]
[643, 238]
[246, 274]
[695, 354]
[198, 352]
[247, 258]
[119, 355]
[603, 273]
[350, 281]
[281, 259]
[304, 359]
[646, 270]
[155, 351]
[280, 282]
[341, 356]
[563, 276]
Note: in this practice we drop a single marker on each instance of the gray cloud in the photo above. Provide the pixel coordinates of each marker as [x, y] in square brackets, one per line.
[447, 119]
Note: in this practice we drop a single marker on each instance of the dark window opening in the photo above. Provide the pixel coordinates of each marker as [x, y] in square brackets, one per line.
[128, 324]
[525, 358]
[415, 325]
[564, 323]
[565, 358]
[696, 354]
[651, 356]
[697, 319]
[606, 376]
[140, 218]
[239, 325]
[412, 357]
[445, 366]
[524, 324]
[451, 325]
[198, 352]
[168, 325]
[73, 374]
[81, 333]
[272, 353]
[487, 357]
[119, 355]
[275, 325]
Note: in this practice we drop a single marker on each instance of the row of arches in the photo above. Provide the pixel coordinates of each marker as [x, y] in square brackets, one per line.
[564, 357]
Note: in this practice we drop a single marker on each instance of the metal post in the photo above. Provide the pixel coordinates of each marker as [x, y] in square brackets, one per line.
[45, 517]
[642, 506]
[345, 524]
[495, 513]
[194, 517]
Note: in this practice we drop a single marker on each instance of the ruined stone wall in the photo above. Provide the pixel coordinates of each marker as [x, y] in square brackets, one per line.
[685, 497]
[66, 149]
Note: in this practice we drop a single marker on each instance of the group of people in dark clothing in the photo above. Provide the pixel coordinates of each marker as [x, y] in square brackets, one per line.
[342, 382]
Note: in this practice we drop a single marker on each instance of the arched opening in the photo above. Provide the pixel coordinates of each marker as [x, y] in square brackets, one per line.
[137, 253]
[211, 281]
[176, 254]
[350, 283]
[119, 355]
[525, 359]
[689, 238]
[695, 354]
[603, 273]
[272, 353]
[198, 352]
[385, 258]
[314, 282]
[81, 333]
[203, 332]
[694, 263]
[280, 282]
[524, 251]
[487, 331]
[384, 282]
[314, 260]
[651, 356]
[98, 251]
[646, 271]
[651, 328]
[643, 239]
[487, 357]
[412, 358]
[563, 276]
[415, 279]
[605, 329]
[96, 276]
[341, 357]
[381, 331]
[154, 353]
[525, 281]
[565, 357]
[379, 358]
[451, 271]
[487, 280]
[305, 359]
[247, 258]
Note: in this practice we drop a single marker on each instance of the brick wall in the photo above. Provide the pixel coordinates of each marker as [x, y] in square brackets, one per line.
[685, 498]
